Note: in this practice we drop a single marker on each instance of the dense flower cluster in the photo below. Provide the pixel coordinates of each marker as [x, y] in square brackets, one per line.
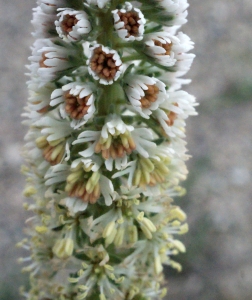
[105, 151]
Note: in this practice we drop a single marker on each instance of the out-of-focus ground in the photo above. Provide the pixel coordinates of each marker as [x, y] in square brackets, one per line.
[218, 262]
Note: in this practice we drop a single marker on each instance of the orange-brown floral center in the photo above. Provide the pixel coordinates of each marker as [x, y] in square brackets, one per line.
[150, 96]
[167, 47]
[75, 106]
[43, 109]
[103, 64]
[172, 116]
[68, 23]
[130, 20]
[43, 59]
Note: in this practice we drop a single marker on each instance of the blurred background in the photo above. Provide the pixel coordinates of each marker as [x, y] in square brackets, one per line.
[218, 262]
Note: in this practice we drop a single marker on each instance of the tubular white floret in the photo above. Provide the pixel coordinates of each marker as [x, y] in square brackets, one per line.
[129, 23]
[72, 24]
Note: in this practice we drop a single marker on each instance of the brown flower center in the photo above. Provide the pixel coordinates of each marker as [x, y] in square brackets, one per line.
[76, 107]
[68, 23]
[150, 96]
[103, 64]
[43, 109]
[130, 20]
[43, 59]
[172, 116]
[167, 47]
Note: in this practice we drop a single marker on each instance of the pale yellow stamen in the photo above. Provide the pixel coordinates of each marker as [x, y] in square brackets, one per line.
[115, 146]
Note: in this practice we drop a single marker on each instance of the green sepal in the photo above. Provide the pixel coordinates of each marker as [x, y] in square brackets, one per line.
[128, 70]
[128, 119]
[99, 121]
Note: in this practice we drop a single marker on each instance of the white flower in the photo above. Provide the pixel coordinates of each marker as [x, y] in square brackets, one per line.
[184, 63]
[100, 3]
[86, 182]
[104, 64]
[43, 23]
[51, 6]
[39, 97]
[76, 100]
[172, 125]
[89, 164]
[166, 48]
[56, 174]
[151, 174]
[47, 59]
[176, 9]
[32, 153]
[54, 127]
[72, 24]
[75, 205]
[115, 141]
[172, 80]
[129, 23]
[144, 93]
[172, 112]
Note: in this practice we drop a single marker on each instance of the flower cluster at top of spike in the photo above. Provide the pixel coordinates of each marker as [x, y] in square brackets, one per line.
[105, 149]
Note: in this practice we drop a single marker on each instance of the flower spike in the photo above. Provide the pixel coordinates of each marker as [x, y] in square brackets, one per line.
[105, 150]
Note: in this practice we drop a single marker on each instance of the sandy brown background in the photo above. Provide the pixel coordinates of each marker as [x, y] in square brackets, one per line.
[218, 263]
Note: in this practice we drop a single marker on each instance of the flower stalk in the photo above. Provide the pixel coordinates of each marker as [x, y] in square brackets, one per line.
[105, 151]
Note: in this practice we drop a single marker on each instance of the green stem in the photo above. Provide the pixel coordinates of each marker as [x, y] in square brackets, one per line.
[76, 4]
[110, 95]
[131, 57]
